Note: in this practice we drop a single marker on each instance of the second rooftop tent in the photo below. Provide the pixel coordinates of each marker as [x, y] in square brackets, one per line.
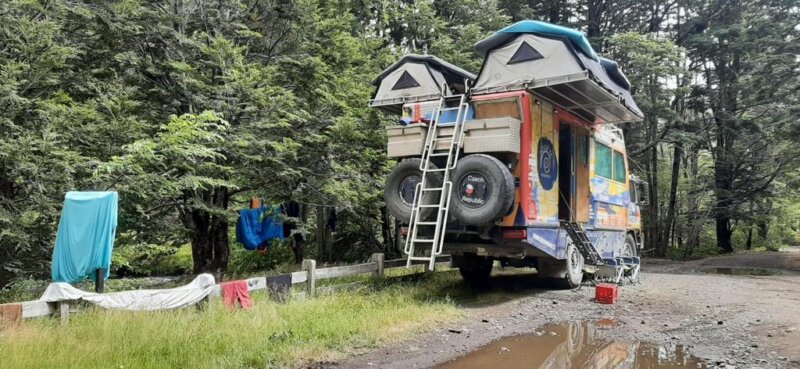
[558, 64]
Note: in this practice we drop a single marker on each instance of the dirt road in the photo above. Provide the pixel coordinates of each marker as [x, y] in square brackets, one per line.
[732, 321]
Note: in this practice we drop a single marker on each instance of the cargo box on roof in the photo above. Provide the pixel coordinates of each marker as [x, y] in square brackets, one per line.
[558, 64]
[418, 78]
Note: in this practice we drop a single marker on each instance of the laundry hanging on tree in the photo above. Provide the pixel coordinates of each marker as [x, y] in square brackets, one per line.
[85, 237]
[256, 227]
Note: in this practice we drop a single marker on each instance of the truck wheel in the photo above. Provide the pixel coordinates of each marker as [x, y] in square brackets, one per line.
[401, 185]
[483, 190]
[630, 246]
[566, 274]
[476, 270]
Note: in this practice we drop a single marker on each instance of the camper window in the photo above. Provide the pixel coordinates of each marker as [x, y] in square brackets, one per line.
[619, 167]
[609, 163]
[602, 160]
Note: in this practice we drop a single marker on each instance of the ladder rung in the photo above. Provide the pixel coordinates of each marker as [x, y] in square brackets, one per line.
[428, 206]
[440, 154]
[435, 170]
[427, 223]
[421, 258]
[423, 240]
[432, 189]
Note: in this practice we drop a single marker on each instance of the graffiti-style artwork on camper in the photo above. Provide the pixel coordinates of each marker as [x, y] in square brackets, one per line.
[543, 175]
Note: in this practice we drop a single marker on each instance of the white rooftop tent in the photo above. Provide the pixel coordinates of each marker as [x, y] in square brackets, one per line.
[418, 78]
[559, 69]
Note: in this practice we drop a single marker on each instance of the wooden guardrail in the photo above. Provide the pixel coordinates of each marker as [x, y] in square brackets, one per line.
[309, 275]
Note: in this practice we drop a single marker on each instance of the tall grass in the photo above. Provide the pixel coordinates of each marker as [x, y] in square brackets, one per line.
[272, 335]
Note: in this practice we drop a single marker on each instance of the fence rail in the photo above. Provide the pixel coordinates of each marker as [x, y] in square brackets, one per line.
[309, 275]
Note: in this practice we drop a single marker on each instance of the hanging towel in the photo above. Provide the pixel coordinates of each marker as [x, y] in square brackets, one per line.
[256, 227]
[236, 291]
[10, 315]
[85, 236]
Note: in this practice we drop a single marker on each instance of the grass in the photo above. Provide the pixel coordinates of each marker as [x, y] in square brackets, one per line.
[272, 335]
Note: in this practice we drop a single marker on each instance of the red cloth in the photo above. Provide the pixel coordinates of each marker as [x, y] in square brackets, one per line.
[236, 291]
[10, 315]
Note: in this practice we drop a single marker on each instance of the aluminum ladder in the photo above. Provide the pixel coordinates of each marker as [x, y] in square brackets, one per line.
[438, 223]
[582, 242]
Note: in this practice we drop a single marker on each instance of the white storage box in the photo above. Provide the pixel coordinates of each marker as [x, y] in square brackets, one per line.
[492, 135]
[480, 135]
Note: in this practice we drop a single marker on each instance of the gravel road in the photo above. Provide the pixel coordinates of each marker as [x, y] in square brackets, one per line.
[733, 321]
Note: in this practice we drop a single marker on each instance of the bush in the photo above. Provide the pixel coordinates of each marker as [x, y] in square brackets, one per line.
[143, 260]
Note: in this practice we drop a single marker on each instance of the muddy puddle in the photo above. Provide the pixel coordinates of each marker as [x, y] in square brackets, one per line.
[739, 271]
[575, 345]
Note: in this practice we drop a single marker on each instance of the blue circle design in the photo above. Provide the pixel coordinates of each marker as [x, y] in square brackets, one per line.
[547, 164]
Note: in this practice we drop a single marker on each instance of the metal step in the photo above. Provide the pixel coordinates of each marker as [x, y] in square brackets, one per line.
[582, 242]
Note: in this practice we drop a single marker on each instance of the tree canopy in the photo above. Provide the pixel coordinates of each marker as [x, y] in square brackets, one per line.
[190, 108]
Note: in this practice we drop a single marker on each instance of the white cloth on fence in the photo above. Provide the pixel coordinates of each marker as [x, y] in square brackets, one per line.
[172, 298]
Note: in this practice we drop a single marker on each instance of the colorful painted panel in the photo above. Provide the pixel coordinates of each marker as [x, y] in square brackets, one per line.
[609, 198]
[543, 161]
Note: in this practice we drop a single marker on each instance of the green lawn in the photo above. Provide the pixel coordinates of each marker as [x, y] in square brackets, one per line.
[270, 335]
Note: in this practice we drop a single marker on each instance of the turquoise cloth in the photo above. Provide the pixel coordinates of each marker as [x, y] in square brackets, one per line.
[85, 236]
[577, 38]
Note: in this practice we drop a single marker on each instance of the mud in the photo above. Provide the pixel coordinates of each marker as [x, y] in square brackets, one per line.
[575, 345]
[728, 321]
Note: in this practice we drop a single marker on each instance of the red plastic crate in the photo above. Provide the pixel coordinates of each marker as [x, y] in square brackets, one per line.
[606, 293]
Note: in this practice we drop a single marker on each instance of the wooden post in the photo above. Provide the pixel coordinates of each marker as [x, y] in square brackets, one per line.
[310, 266]
[63, 309]
[99, 280]
[378, 258]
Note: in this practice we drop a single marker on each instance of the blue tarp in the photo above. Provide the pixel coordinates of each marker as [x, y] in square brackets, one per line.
[256, 227]
[577, 38]
[85, 236]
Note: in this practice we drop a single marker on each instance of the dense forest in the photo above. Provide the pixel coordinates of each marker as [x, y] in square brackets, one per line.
[189, 108]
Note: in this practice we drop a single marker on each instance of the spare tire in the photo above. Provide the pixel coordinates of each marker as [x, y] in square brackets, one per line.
[401, 185]
[483, 190]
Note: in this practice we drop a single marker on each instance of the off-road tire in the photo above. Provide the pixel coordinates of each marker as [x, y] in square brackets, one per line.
[563, 274]
[630, 246]
[477, 271]
[492, 201]
[395, 204]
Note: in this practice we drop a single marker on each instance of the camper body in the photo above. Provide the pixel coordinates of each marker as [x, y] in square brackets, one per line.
[537, 173]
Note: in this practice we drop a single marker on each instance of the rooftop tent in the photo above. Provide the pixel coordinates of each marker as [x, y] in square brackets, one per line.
[417, 78]
[558, 64]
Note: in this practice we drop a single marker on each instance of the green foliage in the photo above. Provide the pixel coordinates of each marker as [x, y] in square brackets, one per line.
[189, 110]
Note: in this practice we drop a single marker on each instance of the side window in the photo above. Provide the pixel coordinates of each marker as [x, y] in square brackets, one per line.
[619, 167]
[602, 160]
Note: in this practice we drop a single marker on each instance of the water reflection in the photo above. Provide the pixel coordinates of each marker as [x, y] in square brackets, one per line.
[579, 345]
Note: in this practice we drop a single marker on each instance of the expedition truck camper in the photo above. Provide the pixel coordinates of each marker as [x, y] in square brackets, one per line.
[521, 163]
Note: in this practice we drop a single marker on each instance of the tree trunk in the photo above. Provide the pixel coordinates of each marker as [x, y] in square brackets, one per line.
[210, 246]
[749, 238]
[677, 152]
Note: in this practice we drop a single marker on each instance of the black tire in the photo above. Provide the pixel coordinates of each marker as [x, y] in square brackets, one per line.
[483, 190]
[477, 271]
[401, 185]
[630, 246]
[564, 274]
